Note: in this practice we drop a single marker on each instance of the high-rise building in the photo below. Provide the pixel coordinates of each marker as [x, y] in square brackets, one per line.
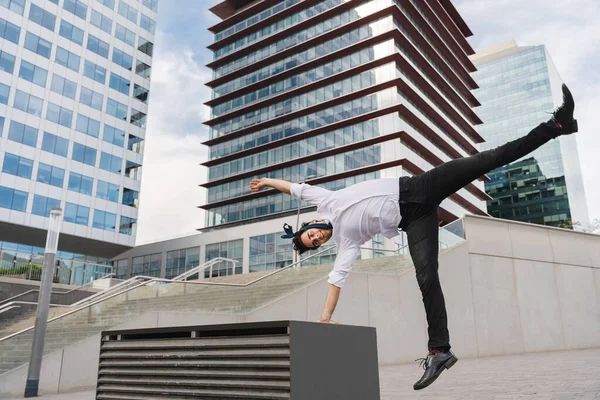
[74, 89]
[519, 86]
[330, 92]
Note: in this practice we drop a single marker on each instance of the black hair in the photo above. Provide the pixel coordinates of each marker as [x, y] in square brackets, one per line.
[298, 245]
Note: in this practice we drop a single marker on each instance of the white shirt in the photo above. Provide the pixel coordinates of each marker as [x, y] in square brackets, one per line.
[357, 213]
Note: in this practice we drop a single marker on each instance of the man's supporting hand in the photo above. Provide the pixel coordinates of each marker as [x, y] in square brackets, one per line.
[332, 298]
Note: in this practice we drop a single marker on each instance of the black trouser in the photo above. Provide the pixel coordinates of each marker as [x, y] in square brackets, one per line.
[420, 197]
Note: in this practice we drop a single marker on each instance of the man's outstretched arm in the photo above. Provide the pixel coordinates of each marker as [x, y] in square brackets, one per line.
[333, 296]
[258, 184]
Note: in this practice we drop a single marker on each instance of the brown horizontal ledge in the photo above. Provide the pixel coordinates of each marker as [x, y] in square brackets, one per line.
[229, 18]
[401, 64]
[392, 10]
[456, 17]
[404, 137]
[409, 166]
[451, 25]
[305, 159]
[288, 32]
[403, 112]
[285, 32]
[398, 83]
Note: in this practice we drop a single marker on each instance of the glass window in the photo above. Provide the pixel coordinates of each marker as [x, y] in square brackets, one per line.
[119, 83]
[55, 144]
[33, 73]
[43, 205]
[67, 59]
[80, 183]
[121, 268]
[101, 21]
[140, 93]
[63, 86]
[143, 69]
[107, 191]
[91, 98]
[77, 214]
[151, 4]
[4, 93]
[138, 118]
[16, 165]
[59, 115]
[116, 109]
[94, 71]
[17, 6]
[51, 175]
[42, 17]
[13, 199]
[98, 46]
[28, 103]
[88, 126]
[7, 62]
[148, 24]
[8, 31]
[128, 12]
[123, 59]
[232, 249]
[131, 197]
[23, 134]
[104, 220]
[84, 154]
[71, 32]
[111, 163]
[125, 34]
[107, 3]
[128, 226]
[133, 170]
[38, 45]
[76, 7]
[135, 144]
[114, 136]
[145, 46]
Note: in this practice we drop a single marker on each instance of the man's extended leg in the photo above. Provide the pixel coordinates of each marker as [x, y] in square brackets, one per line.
[446, 179]
[422, 231]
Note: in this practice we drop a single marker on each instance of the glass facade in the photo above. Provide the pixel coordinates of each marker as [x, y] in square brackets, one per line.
[180, 261]
[517, 92]
[232, 249]
[50, 52]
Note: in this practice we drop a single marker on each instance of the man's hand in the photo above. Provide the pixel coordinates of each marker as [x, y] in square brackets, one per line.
[328, 321]
[257, 185]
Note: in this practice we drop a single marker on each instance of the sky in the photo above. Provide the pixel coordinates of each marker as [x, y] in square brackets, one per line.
[170, 194]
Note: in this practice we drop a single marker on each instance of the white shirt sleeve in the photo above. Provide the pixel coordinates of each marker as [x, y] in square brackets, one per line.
[347, 254]
[311, 194]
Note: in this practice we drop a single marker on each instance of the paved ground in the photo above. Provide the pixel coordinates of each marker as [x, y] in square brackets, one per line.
[565, 375]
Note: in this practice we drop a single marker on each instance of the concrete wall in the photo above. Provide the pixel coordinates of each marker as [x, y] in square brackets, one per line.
[511, 288]
[10, 287]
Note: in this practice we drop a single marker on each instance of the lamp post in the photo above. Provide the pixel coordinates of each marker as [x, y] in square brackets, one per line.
[41, 318]
[307, 177]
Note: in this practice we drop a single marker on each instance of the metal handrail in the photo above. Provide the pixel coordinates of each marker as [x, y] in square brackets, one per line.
[202, 267]
[60, 293]
[13, 304]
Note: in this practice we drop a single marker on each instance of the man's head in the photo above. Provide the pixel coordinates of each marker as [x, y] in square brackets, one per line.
[312, 235]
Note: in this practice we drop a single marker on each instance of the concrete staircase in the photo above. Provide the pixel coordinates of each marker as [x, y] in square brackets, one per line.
[181, 297]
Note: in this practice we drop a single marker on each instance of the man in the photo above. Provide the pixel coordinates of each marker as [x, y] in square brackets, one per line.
[355, 214]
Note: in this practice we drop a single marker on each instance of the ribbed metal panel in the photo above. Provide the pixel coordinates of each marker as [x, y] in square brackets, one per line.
[226, 367]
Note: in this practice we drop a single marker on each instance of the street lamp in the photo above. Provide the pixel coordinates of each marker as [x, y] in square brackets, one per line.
[307, 177]
[41, 318]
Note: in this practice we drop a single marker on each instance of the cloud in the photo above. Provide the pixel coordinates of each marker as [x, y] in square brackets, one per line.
[570, 31]
[170, 194]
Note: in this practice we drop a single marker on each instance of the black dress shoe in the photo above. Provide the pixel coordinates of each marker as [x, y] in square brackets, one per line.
[563, 116]
[434, 365]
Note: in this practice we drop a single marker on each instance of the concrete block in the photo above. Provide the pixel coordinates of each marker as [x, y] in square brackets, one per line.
[80, 365]
[496, 306]
[488, 236]
[594, 245]
[579, 306]
[531, 242]
[13, 382]
[570, 248]
[539, 306]
[455, 278]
